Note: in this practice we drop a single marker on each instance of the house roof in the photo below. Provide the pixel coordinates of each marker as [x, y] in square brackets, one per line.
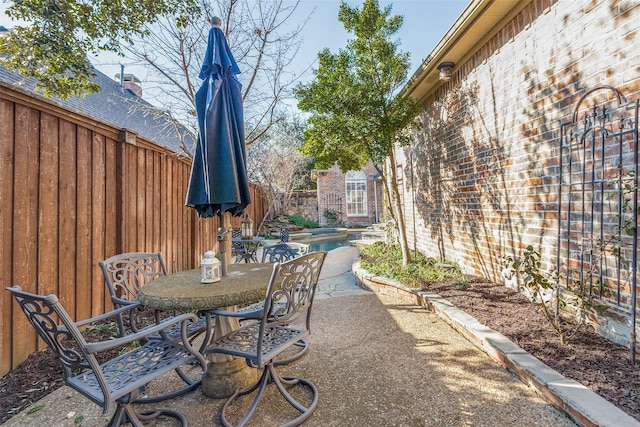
[479, 21]
[114, 105]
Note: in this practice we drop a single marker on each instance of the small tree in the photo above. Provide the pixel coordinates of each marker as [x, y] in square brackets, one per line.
[277, 164]
[545, 290]
[356, 113]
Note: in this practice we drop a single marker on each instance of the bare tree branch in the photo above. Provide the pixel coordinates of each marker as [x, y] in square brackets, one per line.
[263, 46]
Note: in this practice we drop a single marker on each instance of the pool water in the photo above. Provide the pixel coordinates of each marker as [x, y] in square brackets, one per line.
[327, 245]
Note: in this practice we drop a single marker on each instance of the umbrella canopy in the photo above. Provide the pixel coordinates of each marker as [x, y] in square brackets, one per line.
[218, 181]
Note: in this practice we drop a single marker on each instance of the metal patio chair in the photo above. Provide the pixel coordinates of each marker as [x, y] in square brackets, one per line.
[125, 274]
[284, 235]
[281, 252]
[289, 298]
[237, 248]
[120, 380]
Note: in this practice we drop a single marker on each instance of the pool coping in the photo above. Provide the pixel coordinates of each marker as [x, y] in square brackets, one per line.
[305, 237]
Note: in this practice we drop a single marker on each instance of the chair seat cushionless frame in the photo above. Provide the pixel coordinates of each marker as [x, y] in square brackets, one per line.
[120, 379]
[289, 298]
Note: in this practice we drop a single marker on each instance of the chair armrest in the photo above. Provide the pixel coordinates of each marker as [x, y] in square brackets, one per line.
[132, 305]
[143, 333]
[123, 302]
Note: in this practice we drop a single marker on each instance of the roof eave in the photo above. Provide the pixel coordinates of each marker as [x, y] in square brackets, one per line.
[477, 23]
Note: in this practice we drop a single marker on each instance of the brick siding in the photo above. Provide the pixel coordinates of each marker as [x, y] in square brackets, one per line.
[485, 163]
[332, 195]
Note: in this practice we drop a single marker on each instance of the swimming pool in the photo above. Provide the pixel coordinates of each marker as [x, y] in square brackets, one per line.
[327, 245]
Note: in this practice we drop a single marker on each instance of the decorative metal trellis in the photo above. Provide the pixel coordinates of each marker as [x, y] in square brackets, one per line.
[598, 202]
[330, 202]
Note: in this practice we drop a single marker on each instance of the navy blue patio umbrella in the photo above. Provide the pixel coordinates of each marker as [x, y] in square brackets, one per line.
[218, 181]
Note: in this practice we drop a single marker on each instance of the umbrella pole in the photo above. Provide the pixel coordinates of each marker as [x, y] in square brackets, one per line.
[224, 242]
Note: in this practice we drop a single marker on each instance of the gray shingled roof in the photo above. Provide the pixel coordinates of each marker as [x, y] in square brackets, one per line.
[113, 105]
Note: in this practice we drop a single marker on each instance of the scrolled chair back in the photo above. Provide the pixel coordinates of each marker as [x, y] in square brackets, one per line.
[64, 340]
[126, 273]
[291, 290]
[281, 252]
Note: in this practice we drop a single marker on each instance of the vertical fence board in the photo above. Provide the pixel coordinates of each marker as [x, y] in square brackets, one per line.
[68, 215]
[122, 192]
[129, 188]
[111, 186]
[179, 216]
[48, 184]
[156, 201]
[147, 210]
[25, 224]
[99, 186]
[6, 230]
[84, 262]
[157, 204]
[140, 200]
[167, 219]
[188, 219]
[162, 209]
[167, 210]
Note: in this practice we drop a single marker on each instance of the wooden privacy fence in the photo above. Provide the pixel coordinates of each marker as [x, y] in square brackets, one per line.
[74, 191]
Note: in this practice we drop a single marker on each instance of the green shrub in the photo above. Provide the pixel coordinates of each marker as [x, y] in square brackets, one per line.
[386, 260]
[303, 222]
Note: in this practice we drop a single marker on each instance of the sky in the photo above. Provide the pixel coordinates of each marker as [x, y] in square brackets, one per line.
[425, 23]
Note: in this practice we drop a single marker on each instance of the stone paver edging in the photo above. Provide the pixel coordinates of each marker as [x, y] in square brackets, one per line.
[584, 406]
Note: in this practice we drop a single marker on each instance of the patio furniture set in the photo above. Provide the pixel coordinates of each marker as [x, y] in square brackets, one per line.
[192, 322]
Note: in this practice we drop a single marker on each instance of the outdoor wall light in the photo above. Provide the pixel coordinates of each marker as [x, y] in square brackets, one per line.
[210, 268]
[446, 70]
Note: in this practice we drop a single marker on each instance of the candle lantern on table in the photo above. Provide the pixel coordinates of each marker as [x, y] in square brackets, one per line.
[210, 268]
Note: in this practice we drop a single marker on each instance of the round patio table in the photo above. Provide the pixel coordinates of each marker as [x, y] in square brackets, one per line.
[244, 284]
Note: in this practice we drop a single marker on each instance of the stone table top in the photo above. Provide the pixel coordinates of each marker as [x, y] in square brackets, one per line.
[244, 284]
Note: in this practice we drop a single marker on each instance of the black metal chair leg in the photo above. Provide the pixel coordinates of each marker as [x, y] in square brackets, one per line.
[269, 375]
[191, 384]
[125, 413]
[151, 414]
[302, 345]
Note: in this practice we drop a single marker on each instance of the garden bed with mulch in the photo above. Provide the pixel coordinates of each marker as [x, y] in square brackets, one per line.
[597, 363]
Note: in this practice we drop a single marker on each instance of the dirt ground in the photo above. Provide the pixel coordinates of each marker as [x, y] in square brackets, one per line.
[600, 365]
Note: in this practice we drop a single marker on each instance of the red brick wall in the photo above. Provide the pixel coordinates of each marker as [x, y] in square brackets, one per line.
[485, 163]
[331, 194]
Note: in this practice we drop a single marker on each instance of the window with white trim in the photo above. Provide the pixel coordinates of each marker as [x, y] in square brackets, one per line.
[356, 193]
